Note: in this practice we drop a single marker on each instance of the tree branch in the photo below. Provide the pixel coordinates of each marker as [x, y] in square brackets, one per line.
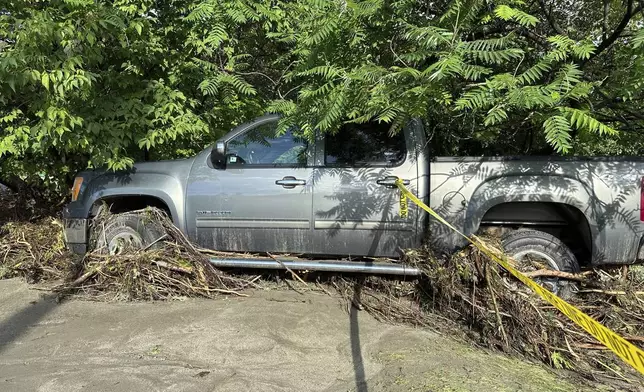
[551, 18]
[618, 30]
[512, 27]
[605, 22]
[536, 38]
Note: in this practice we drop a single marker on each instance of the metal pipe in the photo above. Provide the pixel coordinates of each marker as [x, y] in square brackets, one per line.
[322, 265]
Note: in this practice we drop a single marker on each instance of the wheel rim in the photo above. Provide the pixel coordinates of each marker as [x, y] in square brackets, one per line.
[122, 241]
[551, 284]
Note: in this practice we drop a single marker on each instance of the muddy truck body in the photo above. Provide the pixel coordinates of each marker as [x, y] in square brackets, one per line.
[253, 191]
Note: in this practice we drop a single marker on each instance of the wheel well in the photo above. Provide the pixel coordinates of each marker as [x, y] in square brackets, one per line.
[118, 204]
[563, 221]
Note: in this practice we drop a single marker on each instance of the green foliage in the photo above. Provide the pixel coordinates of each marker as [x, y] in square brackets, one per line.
[86, 83]
[558, 132]
[582, 120]
[104, 83]
[508, 13]
[467, 59]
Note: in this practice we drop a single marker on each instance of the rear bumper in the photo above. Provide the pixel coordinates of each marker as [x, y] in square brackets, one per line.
[75, 232]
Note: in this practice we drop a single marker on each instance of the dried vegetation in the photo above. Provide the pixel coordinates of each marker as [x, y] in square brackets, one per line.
[470, 296]
[465, 295]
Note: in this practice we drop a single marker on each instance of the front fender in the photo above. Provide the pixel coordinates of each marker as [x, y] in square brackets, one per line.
[164, 187]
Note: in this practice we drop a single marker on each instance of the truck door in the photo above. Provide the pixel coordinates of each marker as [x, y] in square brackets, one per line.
[355, 203]
[261, 201]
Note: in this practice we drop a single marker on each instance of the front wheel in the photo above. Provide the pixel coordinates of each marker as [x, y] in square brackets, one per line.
[537, 249]
[122, 233]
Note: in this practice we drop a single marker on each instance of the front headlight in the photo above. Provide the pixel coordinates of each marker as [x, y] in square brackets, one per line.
[78, 183]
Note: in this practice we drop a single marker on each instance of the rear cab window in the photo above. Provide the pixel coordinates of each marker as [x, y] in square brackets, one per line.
[369, 144]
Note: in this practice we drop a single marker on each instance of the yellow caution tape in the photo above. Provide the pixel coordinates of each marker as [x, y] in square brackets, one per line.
[630, 353]
[404, 206]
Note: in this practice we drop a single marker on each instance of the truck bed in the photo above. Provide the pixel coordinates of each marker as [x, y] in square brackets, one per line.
[604, 193]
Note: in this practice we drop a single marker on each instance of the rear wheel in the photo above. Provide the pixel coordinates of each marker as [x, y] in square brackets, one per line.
[534, 249]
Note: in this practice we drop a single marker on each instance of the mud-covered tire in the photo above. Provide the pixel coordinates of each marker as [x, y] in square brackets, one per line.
[128, 232]
[525, 242]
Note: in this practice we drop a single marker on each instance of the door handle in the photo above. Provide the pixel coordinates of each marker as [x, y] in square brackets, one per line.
[290, 182]
[390, 181]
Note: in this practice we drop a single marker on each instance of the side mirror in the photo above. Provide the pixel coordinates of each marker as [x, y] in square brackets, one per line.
[218, 155]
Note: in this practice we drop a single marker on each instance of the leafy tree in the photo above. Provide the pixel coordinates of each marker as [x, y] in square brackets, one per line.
[503, 69]
[85, 83]
[103, 83]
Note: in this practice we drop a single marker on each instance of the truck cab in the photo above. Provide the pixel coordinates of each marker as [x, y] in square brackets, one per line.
[258, 191]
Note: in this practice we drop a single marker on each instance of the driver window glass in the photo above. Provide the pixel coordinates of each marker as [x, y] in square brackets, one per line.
[260, 147]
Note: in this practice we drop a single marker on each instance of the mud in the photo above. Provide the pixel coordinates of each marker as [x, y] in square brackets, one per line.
[271, 341]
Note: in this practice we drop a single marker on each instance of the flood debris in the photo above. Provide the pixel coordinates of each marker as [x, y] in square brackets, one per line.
[471, 297]
[174, 269]
[464, 295]
[33, 250]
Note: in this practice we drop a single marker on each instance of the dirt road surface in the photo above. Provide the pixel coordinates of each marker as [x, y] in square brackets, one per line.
[271, 341]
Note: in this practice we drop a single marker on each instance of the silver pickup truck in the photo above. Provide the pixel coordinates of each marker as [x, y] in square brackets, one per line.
[253, 191]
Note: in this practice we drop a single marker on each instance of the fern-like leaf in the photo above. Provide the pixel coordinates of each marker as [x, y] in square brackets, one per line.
[490, 43]
[582, 120]
[388, 115]
[462, 12]
[366, 8]
[238, 83]
[496, 115]
[638, 40]
[209, 86]
[535, 73]
[202, 11]
[530, 97]
[583, 50]
[328, 72]
[323, 32]
[428, 37]
[566, 78]
[561, 41]
[474, 72]
[333, 115]
[478, 98]
[307, 93]
[216, 36]
[282, 106]
[495, 56]
[446, 66]
[557, 129]
[506, 12]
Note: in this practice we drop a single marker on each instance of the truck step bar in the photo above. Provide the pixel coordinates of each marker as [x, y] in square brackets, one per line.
[365, 267]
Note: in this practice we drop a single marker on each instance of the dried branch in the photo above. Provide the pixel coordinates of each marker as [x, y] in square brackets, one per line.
[293, 274]
[171, 267]
[496, 310]
[555, 274]
[610, 292]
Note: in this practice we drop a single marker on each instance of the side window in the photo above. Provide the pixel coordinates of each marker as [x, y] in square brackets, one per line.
[260, 147]
[368, 144]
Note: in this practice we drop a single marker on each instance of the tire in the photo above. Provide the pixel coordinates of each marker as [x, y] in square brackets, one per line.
[556, 255]
[128, 232]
